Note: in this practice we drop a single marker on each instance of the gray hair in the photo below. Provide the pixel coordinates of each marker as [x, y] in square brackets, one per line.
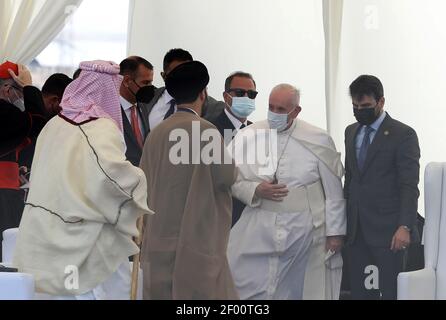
[288, 87]
[4, 82]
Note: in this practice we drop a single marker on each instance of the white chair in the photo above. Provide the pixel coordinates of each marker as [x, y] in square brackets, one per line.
[8, 244]
[430, 283]
[16, 286]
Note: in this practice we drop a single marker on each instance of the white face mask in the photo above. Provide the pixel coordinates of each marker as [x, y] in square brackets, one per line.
[18, 102]
[278, 121]
[243, 107]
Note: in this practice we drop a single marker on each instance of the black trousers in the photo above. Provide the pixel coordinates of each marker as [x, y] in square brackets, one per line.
[361, 256]
[11, 209]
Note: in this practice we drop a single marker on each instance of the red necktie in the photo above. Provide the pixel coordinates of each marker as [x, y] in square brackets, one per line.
[135, 126]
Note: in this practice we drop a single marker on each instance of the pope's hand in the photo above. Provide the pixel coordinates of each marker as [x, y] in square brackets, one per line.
[270, 191]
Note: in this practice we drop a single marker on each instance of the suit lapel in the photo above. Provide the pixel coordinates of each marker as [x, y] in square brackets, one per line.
[379, 140]
[351, 144]
[146, 108]
[145, 122]
[128, 130]
[227, 123]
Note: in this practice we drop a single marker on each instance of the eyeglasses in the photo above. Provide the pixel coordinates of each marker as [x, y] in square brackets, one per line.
[134, 81]
[242, 93]
[17, 90]
[9, 85]
[14, 87]
[355, 107]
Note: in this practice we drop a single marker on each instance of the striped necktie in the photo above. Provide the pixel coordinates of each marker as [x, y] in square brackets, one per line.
[135, 126]
[171, 111]
[364, 147]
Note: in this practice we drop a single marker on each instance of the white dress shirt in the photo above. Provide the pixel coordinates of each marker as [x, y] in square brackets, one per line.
[375, 126]
[127, 107]
[160, 110]
[235, 122]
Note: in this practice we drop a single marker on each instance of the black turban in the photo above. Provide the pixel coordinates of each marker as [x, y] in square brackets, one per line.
[185, 82]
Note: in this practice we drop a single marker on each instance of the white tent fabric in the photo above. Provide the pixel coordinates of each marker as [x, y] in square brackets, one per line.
[332, 10]
[27, 27]
[319, 46]
[277, 41]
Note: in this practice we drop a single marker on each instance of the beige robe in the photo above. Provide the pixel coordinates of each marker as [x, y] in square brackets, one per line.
[185, 242]
[82, 208]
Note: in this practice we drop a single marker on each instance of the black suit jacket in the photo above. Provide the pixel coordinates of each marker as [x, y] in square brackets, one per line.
[384, 196]
[35, 105]
[211, 109]
[222, 122]
[134, 151]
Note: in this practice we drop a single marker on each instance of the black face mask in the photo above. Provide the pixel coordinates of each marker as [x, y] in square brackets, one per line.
[365, 117]
[145, 94]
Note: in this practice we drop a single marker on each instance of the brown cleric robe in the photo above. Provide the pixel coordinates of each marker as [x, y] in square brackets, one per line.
[185, 242]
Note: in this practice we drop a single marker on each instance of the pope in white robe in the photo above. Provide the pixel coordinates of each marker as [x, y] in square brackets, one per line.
[286, 246]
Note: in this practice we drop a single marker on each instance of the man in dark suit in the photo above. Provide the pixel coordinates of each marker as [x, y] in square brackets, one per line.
[52, 92]
[163, 105]
[240, 94]
[137, 73]
[381, 188]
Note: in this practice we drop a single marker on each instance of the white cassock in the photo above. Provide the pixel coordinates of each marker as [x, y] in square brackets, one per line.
[277, 251]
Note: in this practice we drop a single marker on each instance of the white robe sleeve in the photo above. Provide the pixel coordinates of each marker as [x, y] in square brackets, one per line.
[335, 204]
[245, 186]
[119, 190]
[245, 191]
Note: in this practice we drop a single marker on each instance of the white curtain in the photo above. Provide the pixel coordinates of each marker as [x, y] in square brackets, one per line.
[277, 41]
[332, 11]
[28, 26]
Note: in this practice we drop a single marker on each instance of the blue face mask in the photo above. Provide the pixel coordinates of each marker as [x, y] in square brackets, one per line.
[278, 121]
[243, 107]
